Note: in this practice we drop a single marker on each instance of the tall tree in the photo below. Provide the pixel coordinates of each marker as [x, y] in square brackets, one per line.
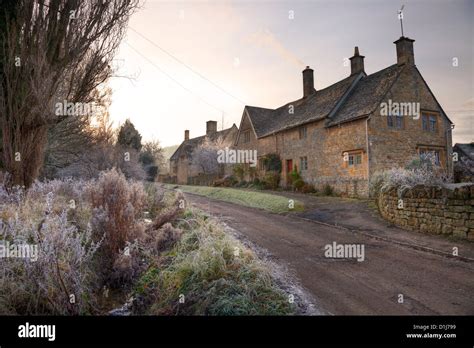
[53, 51]
[129, 137]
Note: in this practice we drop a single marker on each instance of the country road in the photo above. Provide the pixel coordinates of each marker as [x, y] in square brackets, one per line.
[428, 283]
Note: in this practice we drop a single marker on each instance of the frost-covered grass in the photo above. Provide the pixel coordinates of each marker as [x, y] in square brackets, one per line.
[270, 202]
[213, 274]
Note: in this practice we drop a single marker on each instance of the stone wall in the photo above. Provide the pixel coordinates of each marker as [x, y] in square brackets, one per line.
[448, 211]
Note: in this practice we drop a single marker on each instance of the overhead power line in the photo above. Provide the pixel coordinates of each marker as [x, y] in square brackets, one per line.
[187, 66]
[172, 78]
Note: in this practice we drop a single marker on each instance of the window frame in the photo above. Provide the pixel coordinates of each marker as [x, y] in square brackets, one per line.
[304, 163]
[395, 122]
[303, 132]
[354, 159]
[426, 121]
[246, 136]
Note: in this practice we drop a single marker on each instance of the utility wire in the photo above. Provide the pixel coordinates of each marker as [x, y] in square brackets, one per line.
[187, 66]
[172, 78]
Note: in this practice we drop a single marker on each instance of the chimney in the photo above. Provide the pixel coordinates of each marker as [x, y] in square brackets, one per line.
[357, 62]
[405, 54]
[211, 127]
[186, 135]
[308, 82]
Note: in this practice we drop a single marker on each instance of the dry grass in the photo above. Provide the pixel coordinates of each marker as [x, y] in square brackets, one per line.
[213, 274]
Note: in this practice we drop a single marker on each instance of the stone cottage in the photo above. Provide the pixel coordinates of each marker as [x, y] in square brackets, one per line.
[182, 169]
[341, 135]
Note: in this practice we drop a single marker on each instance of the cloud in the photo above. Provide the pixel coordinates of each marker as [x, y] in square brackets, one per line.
[266, 39]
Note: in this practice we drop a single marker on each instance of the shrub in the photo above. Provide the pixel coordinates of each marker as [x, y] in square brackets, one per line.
[252, 171]
[167, 236]
[155, 200]
[328, 190]
[294, 175]
[226, 181]
[308, 188]
[419, 171]
[298, 184]
[64, 270]
[271, 180]
[127, 266]
[122, 202]
[272, 162]
[239, 171]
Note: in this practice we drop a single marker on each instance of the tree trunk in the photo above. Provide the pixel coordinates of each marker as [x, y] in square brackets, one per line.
[23, 153]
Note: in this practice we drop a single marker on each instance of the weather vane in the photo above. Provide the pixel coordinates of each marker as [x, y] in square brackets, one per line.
[400, 17]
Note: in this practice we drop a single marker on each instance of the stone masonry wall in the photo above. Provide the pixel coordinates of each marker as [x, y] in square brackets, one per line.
[431, 209]
[391, 147]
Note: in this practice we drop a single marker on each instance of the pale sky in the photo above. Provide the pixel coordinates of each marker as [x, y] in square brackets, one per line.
[252, 52]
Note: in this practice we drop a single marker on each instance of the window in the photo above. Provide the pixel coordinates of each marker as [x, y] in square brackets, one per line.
[429, 122]
[304, 163]
[358, 159]
[395, 121]
[433, 124]
[354, 159]
[303, 132]
[435, 153]
[247, 136]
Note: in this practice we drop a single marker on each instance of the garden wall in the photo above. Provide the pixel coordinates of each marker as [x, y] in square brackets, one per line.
[447, 210]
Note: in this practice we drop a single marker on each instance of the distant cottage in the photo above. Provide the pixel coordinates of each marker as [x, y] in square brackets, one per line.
[342, 134]
[182, 169]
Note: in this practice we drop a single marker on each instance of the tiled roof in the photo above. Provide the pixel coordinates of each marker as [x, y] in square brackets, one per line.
[466, 149]
[313, 108]
[188, 146]
[366, 93]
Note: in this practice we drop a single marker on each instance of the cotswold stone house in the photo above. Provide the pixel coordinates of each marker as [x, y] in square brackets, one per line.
[182, 169]
[342, 134]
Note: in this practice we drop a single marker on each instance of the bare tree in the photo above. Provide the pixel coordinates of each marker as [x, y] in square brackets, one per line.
[205, 155]
[53, 51]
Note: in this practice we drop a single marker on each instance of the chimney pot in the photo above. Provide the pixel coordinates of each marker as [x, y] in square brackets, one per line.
[308, 82]
[357, 62]
[186, 134]
[405, 52]
[211, 127]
